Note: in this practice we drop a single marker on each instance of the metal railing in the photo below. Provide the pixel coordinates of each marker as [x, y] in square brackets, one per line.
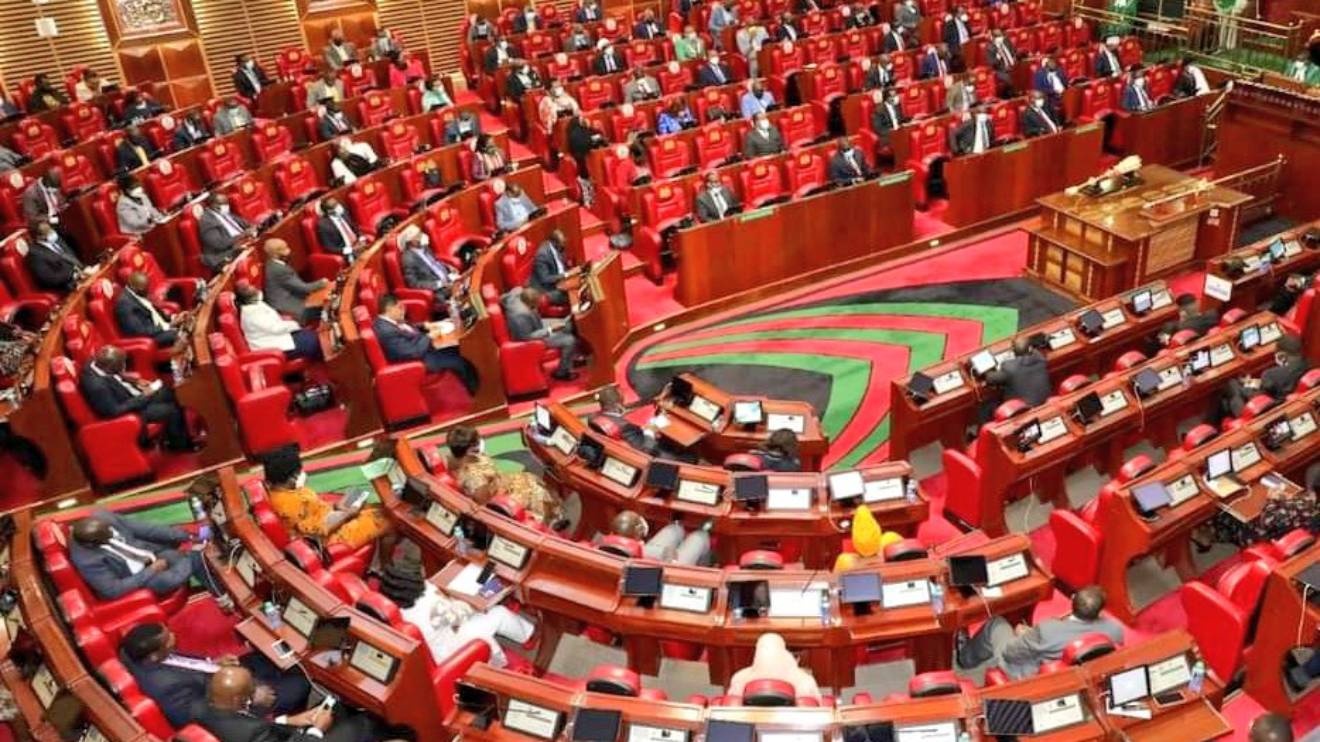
[1261, 183]
[1210, 129]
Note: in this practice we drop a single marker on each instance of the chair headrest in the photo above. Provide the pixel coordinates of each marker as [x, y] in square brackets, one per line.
[769, 692]
[614, 680]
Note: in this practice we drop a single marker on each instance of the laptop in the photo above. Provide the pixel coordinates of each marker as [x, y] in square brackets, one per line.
[1141, 302]
[1008, 718]
[596, 725]
[968, 571]
[662, 475]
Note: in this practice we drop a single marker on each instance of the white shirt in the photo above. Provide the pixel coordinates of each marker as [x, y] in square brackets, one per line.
[345, 231]
[230, 225]
[444, 639]
[195, 664]
[157, 318]
[341, 172]
[1198, 78]
[133, 390]
[982, 139]
[265, 329]
[717, 197]
[136, 559]
[1005, 52]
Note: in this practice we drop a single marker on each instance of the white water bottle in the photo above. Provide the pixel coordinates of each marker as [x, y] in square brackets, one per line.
[824, 607]
[910, 490]
[272, 614]
[937, 597]
[460, 540]
[1198, 677]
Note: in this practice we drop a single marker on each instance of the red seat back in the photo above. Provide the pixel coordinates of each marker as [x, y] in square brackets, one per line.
[761, 182]
[35, 138]
[963, 483]
[295, 179]
[374, 109]
[272, 141]
[220, 160]
[398, 141]
[1077, 554]
[714, 146]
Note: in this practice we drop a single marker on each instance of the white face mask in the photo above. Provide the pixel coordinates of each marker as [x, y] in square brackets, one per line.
[137, 193]
[300, 481]
[1038, 102]
[763, 125]
[250, 64]
[424, 241]
[224, 208]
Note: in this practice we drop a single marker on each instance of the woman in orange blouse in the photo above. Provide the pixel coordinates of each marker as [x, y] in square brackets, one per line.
[305, 514]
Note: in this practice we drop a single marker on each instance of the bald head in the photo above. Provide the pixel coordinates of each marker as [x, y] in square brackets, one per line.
[230, 687]
[276, 248]
[137, 280]
[91, 531]
[1271, 728]
[110, 359]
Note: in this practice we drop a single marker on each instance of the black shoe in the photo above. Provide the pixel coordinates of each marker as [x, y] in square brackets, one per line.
[564, 375]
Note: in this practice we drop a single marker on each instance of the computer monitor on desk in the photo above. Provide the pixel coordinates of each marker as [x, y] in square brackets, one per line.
[1128, 686]
[748, 413]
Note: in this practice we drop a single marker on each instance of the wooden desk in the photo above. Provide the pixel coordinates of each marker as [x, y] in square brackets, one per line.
[1068, 683]
[1288, 617]
[720, 437]
[1169, 134]
[763, 246]
[1251, 288]
[1097, 247]
[573, 585]
[945, 417]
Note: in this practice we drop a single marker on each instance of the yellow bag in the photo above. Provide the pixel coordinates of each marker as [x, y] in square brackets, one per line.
[866, 533]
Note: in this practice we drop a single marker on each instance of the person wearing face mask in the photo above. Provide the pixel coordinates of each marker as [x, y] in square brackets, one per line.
[435, 96]
[264, 329]
[488, 159]
[957, 31]
[478, 477]
[879, 75]
[384, 46]
[578, 39]
[137, 316]
[423, 270]
[306, 515]
[1107, 63]
[53, 265]
[647, 28]
[44, 199]
[550, 268]
[787, 30]
[908, 17]
[191, 132]
[1136, 99]
[714, 72]
[333, 123]
[892, 39]
[555, 106]
[887, 116]
[722, 16]
[675, 118]
[352, 160]
[858, 17]
[527, 20]
[498, 55]
[715, 201]
[515, 208]
[587, 11]
[764, 138]
[641, 87]
[960, 95]
[220, 231]
[1191, 80]
[110, 393]
[480, 29]
[464, 125]
[1050, 81]
[847, 165]
[1003, 58]
[975, 134]
[338, 232]
[524, 78]
[405, 69]
[608, 59]
[688, 45]
[934, 63]
[328, 87]
[757, 100]
[339, 53]
[249, 78]
[231, 117]
[139, 108]
[135, 150]
[1304, 70]
[749, 38]
[90, 86]
[134, 210]
[1037, 119]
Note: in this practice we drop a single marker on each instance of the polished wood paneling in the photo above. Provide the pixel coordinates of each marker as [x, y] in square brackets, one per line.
[1261, 123]
[232, 27]
[82, 41]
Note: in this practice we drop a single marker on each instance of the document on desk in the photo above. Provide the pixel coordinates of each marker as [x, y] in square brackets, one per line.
[1170, 377]
[563, 440]
[1006, 569]
[507, 552]
[702, 493]
[1302, 425]
[1057, 713]
[1112, 318]
[643, 733]
[465, 582]
[536, 721]
[1220, 354]
[441, 517]
[903, 594]
[1244, 456]
[619, 472]
[1182, 489]
[1168, 674]
[1161, 299]
[881, 490]
[1062, 338]
[685, 598]
[947, 382]
[789, 499]
[1270, 332]
[796, 602]
[779, 421]
[940, 731]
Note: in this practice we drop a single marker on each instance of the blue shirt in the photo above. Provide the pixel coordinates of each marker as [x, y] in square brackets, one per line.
[752, 105]
[668, 123]
[518, 211]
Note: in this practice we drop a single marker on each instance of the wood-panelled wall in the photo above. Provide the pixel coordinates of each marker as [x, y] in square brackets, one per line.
[83, 40]
[232, 27]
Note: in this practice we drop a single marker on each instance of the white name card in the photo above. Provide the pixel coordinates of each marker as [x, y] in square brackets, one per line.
[1062, 339]
[901, 594]
[1006, 569]
[789, 736]
[45, 686]
[1057, 713]
[704, 408]
[373, 662]
[1160, 299]
[1244, 456]
[1112, 318]
[882, 490]
[1217, 287]
[1221, 354]
[776, 421]
[537, 721]
[619, 472]
[1302, 425]
[1170, 377]
[643, 733]
[795, 602]
[564, 441]
[788, 499]
[1051, 429]
[299, 616]
[1270, 332]
[685, 598]
[940, 731]
[441, 517]
[1168, 674]
[948, 381]
[1112, 402]
[1292, 248]
[1182, 489]
[247, 568]
[507, 552]
[702, 493]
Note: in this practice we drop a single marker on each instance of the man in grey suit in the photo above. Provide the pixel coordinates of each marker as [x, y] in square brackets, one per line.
[44, 199]
[285, 289]
[220, 231]
[715, 201]
[1020, 650]
[907, 16]
[340, 53]
[117, 555]
[422, 269]
[134, 210]
[642, 87]
[231, 117]
[764, 138]
[550, 267]
[515, 208]
[327, 87]
[525, 323]
[462, 126]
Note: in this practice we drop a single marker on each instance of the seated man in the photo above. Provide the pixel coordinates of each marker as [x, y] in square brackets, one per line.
[448, 623]
[715, 201]
[339, 53]
[220, 231]
[134, 210]
[1189, 319]
[231, 117]
[1037, 118]
[515, 208]
[1135, 97]
[773, 661]
[780, 452]
[1051, 81]
[479, 479]
[265, 329]
[756, 100]
[1025, 376]
[764, 138]
[137, 317]
[525, 323]
[52, 262]
[934, 63]
[338, 232]
[464, 125]
[116, 555]
[523, 79]
[177, 682]
[326, 89]
[1272, 727]
[306, 515]
[1277, 382]
[135, 150]
[550, 268]
[110, 394]
[139, 108]
[641, 87]
[225, 713]
[1020, 650]
[285, 289]
[673, 543]
[888, 116]
[402, 342]
[1286, 297]
[848, 165]
[333, 122]
[352, 160]
[611, 406]
[975, 134]
[422, 269]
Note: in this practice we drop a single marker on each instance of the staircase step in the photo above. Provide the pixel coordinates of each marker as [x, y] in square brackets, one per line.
[555, 188]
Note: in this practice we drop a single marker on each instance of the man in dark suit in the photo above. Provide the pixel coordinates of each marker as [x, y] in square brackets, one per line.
[219, 230]
[1191, 80]
[226, 714]
[934, 63]
[888, 115]
[527, 20]
[525, 323]
[423, 270]
[1003, 57]
[611, 406]
[588, 11]
[177, 683]
[787, 31]
[647, 27]
[1050, 80]
[1135, 97]
[714, 72]
[110, 394]
[463, 126]
[848, 165]
[333, 122]
[51, 261]
[1025, 376]
[135, 150]
[191, 132]
[880, 75]
[1277, 382]
[116, 555]
[974, 135]
[44, 199]
[550, 267]
[1037, 119]
[285, 289]
[136, 316]
[1107, 63]
[892, 39]
[524, 78]
[401, 342]
[715, 201]
[497, 55]
[249, 78]
[608, 60]
[1189, 318]
[957, 31]
[337, 231]
[764, 138]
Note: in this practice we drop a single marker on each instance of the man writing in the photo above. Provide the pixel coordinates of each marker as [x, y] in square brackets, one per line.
[137, 316]
[285, 289]
[550, 268]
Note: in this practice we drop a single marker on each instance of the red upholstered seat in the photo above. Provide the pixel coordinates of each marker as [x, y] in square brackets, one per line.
[963, 475]
[1077, 554]
[374, 109]
[344, 558]
[711, 98]
[596, 93]
[397, 385]
[761, 559]
[799, 127]
[762, 184]
[613, 680]
[508, 507]
[371, 205]
[674, 78]
[357, 80]
[928, 142]
[1294, 542]
[1244, 583]
[521, 361]
[296, 182]
[12, 186]
[110, 447]
[1086, 648]
[743, 462]
[628, 548]
[271, 141]
[293, 62]
[221, 161]
[768, 692]
[78, 173]
[35, 139]
[251, 199]
[398, 141]
[82, 121]
[1009, 409]
[804, 173]
[262, 411]
[934, 683]
[143, 709]
[169, 186]
[1219, 627]
[663, 208]
[716, 146]
[449, 232]
[103, 201]
[1135, 467]
[1128, 360]
[669, 156]
[995, 676]
[1073, 383]
[906, 550]
[1098, 101]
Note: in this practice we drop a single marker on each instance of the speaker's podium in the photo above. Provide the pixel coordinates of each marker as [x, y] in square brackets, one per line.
[1148, 223]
